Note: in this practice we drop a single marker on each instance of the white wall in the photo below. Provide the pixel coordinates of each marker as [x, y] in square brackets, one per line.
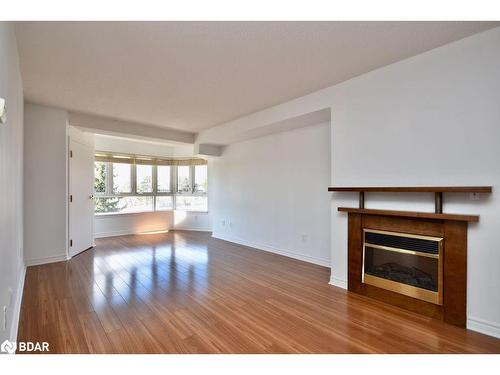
[11, 184]
[271, 192]
[132, 223]
[106, 125]
[429, 120]
[78, 135]
[45, 187]
[198, 221]
[138, 147]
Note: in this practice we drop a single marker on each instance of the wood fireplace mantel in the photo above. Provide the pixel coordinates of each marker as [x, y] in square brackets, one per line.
[437, 190]
[414, 214]
[451, 228]
[412, 189]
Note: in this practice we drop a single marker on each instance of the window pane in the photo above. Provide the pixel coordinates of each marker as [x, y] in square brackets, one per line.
[122, 180]
[99, 177]
[103, 205]
[200, 178]
[163, 178]
[164, 203]
[183, 179]
[123, 204]
[144, 175]
[190, 203]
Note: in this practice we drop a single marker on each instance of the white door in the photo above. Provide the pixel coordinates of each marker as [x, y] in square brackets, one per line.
[81, 190]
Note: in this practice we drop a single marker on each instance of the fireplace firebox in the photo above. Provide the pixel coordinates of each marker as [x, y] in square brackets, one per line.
[404, 263]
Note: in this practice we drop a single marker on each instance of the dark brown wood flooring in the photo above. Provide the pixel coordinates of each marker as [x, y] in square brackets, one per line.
[184, 292]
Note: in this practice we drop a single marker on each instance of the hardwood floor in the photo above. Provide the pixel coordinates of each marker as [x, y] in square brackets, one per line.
[184, 292]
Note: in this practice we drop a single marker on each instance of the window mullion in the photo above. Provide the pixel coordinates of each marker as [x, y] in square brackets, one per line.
[109, 178]
[173, 185]
[191, 178]
[133, 177]
[155, 185]
[155, 179]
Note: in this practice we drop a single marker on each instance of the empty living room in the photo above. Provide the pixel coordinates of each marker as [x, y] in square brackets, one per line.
[231, 190]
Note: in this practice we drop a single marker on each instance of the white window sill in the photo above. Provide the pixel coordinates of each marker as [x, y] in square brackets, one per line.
[105, 214]
[112, 214]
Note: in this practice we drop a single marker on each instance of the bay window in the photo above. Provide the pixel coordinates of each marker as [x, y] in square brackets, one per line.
[100, 170]
[121, 178]
[200, 178]
[164, 203]
[144, 178]
[183, 179]
[163, 179]
[128, 184]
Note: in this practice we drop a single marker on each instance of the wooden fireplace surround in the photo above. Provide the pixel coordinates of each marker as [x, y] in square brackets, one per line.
[451, 227]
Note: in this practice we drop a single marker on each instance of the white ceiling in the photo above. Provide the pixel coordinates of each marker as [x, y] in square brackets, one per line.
[194, 75]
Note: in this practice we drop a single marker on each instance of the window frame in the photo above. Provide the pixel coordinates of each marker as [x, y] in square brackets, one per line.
[190, 178]
[155, 179]
[193, 177]
[153, 183]
[108, 193]
[192, 192]
[111, 180]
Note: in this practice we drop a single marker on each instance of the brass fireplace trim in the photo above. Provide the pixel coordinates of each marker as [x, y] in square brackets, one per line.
[399, 234]
[403, 251]
[405, 289]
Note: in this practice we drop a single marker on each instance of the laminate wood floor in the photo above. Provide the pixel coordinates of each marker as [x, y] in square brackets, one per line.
[185, 292]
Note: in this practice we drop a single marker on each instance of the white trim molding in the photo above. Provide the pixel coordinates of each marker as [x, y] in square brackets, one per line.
[272, 249]
[192, 229]
[127, 232]
[335, 281]
[52, 259]
[17, 305]
[483, 326]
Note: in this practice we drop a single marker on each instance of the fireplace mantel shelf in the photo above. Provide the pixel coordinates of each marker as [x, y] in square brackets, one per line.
[438, 196]
[412, 189]
[413, 214]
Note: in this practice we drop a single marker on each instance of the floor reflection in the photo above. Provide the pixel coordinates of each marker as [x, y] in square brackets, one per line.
[140, 271]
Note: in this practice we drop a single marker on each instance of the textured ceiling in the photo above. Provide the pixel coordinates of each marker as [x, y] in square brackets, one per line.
[194, 75]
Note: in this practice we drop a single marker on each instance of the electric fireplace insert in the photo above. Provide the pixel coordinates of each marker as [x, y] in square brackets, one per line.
[405, 263]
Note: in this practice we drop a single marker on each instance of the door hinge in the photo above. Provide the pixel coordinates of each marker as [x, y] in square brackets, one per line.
[71, 198]
[70, 243]
[71, 154]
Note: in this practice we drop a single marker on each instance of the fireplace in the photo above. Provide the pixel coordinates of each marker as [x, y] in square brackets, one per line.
[413, 260]
[404, 263]
[415, 263]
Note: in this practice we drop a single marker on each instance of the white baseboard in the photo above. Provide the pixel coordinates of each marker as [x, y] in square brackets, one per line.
[193, 229]
[17, 305]
[272, 249]
[483, 326]
[114, 233]
[52, 259]
[125, 232]
[335, 281]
